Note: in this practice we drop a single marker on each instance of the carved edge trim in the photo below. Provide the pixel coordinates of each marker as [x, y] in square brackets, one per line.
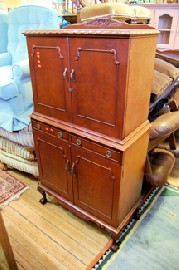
[93, 31]
[121, 145]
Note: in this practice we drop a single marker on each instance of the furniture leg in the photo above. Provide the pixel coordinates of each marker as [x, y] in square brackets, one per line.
[44, 198]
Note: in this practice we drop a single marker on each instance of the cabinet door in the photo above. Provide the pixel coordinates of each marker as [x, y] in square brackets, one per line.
[53, 156]
[49, 71]
[98, 72]
[96, 182]
[166, 21]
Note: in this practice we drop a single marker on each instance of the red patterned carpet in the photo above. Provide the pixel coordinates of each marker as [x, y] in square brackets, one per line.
[10, 188]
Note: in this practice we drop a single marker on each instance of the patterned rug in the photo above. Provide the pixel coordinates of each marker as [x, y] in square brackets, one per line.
[152, 241]
[10, 188]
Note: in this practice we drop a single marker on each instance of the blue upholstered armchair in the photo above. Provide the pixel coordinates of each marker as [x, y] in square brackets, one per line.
[15, 84]
[3, 31]
[16, 103]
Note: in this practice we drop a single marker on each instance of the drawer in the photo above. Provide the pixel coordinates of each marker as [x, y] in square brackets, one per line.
[103, 151]
[55, 132]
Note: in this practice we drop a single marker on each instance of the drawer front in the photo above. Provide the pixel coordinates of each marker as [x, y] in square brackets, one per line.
[55, 132]
[103, 151]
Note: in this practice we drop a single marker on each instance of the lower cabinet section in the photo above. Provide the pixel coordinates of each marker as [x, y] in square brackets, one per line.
[96, 183]
[102, 183]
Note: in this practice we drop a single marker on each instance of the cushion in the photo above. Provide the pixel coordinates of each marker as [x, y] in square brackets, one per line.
[8, 89]
[166, 68]
[114, 10]
[164, 124]
[19, 163]
[3, 31]
[14, 122]
[14, 148]
[23, 137]
[10, 105]
[21, 70]
[160, 83]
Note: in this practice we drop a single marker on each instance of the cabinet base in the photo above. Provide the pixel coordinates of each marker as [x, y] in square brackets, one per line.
[110, 230]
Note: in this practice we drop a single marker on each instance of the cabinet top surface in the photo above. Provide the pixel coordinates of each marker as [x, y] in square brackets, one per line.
[79, 29]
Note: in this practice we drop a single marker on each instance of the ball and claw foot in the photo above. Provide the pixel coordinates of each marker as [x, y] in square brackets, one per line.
[44, 198]
[136, 215]
[114, 246]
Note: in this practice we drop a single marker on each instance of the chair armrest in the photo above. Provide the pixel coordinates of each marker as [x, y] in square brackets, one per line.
[5, 59]
[164, 125]
[21, 70]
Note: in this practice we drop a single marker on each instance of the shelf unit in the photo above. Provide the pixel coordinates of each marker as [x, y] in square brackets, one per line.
[165, 17]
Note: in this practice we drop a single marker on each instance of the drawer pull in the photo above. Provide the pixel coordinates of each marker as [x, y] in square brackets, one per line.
[60, 134]
[108, 154]
[78, 142]
[38, 126]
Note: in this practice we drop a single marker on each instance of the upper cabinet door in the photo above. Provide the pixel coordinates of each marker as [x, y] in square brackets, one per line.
[98, 79]
[49, 71]
[166, 21]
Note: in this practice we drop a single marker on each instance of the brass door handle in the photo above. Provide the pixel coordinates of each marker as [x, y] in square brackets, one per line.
[72, 76]
[67, 166]
[73, 169]
[65, 74]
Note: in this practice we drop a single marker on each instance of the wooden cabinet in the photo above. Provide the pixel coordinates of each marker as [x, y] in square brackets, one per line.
[165, 17]
[91, 98]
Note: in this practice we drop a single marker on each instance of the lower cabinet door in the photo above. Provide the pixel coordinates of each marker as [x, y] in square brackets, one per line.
[96, 183]
[53, 156]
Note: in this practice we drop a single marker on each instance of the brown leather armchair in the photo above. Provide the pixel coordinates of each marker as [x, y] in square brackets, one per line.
[160, 162]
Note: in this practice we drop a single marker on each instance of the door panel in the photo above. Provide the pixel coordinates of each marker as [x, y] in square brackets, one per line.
[99, 83]
[53, 156]
[96, 184]
[49, 67]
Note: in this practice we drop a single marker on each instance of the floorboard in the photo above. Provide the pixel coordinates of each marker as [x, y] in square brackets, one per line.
[48, 236]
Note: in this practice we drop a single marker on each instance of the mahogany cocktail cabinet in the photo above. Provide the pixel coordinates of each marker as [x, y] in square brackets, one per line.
[91, 89]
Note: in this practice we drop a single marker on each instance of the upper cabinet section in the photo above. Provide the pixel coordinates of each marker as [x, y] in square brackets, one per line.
[165, 17]
[89, 82]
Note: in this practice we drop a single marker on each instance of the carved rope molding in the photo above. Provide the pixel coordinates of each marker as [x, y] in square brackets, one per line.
[93, 31]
